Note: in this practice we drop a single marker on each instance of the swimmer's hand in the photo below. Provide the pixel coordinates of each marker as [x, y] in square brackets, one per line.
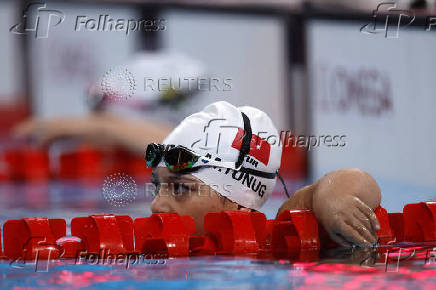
[343, 202]
[99, 129]
[349, 221]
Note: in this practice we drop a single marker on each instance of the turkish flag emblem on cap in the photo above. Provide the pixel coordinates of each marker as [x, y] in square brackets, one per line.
[259, 147]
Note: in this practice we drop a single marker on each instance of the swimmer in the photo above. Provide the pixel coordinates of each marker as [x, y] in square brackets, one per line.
[207, 164]
[343, 200]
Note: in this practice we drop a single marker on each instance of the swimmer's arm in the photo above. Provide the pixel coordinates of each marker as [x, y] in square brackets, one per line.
[343, 202]
[134, 135]
[301, 199]
[100, 129]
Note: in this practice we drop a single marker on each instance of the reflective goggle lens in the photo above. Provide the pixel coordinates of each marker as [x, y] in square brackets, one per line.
[153, 155]
[176, 159]
[179, 158]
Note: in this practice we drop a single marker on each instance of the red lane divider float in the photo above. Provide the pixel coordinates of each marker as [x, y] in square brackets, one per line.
[396, 222]
[236, 232]
[164, 234]
[295, 234]
[201, 246]
[109, 232]
[31, 237]
[385, 234]
[420, 222]
[89, 163]
[1, 252]
[85, 163]
[27, 163]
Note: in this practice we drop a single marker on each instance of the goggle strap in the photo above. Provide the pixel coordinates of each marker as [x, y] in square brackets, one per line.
[283, 183]
[245, 147]
[210, 162]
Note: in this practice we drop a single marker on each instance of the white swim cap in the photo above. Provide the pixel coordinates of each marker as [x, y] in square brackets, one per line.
[217, 132]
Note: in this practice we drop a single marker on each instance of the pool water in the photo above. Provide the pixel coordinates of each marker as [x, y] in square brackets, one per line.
[221, 272]
[340, 268]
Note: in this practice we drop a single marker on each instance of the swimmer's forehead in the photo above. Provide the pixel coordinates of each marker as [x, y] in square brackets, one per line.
[162, 173]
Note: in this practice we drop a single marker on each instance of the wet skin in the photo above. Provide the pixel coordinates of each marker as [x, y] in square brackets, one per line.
[186, 195]
[343, 202]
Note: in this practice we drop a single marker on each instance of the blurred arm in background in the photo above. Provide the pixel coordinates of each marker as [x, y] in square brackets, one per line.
[343, 201]
[99, 129]
[122, 124]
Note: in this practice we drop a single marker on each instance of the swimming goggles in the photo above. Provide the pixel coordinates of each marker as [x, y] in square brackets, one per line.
[180, 158]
